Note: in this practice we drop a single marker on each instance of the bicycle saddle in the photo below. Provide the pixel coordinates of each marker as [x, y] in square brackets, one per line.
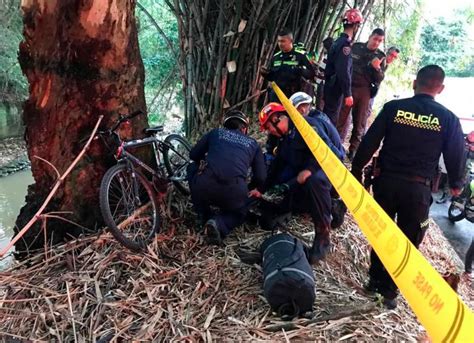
[153, 130]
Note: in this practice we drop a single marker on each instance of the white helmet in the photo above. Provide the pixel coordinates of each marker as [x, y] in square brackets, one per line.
[300, 98]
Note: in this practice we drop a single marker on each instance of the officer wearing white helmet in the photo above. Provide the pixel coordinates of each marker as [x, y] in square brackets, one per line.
[324, 127]
[302, 102]
[328, 132]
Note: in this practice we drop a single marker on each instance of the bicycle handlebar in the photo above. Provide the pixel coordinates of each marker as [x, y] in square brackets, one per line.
[125, 118]
[120, 120]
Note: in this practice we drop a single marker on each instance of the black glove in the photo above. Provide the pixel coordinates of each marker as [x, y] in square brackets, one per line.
[279, 189]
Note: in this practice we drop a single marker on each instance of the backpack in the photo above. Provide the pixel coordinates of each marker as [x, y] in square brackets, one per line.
[289, 284]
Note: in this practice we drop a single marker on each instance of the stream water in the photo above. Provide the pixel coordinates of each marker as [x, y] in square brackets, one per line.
[12, 198]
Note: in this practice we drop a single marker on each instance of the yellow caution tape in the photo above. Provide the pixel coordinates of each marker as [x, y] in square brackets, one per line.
[445, 317]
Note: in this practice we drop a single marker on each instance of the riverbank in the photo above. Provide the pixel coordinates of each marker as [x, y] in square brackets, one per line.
[13, 156]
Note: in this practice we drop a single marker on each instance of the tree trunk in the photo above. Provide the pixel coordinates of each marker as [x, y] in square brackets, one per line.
[81, 59]
[224, 44]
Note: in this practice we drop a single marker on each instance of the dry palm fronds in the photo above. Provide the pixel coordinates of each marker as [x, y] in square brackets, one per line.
[93, 289]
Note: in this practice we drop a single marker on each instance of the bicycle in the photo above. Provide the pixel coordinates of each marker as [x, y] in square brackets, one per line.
[128, 199]
[462, 206]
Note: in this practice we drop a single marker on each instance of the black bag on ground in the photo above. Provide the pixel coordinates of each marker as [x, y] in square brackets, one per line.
[288, 277]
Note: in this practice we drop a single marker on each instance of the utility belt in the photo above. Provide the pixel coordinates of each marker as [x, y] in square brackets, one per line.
[372, 171]
[204, 168]
[413, 178]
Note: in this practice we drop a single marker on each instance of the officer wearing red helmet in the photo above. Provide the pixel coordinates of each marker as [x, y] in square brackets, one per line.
[338, 72]
[295, 166]
[218, 177]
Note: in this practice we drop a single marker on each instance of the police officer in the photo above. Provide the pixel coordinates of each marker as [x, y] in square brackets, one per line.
[367, 70]
[302, 103]
[415, 131]
[222, 159]
[338, 70]
[392, 55]
[295, 165]
[288, 67]
[321, 67]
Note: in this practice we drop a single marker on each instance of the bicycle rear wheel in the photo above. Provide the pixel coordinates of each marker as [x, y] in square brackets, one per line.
[176, 159]
[129, 206]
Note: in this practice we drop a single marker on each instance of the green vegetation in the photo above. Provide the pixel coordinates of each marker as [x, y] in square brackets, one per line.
[159, 47]
[404, 22]
[446, 42]
[13, 86]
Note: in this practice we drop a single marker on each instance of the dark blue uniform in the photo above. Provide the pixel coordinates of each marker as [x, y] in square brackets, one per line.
[221, 181]
[287, 70]
[293, 156]
[338, 75]
[415, 131]
[364, 75]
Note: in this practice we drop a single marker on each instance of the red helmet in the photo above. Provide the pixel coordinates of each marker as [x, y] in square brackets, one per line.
[268, 111]
[352, 16]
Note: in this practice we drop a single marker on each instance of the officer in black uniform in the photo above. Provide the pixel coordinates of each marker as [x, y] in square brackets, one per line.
[367, 70]
[338, 70]
[295, 165]
[218, 177]
[288, 67]
[415, 131]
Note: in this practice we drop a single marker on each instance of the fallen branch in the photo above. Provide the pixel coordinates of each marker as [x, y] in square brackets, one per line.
[132, 217]
[53, 191]
[258, 93]
[332, 316]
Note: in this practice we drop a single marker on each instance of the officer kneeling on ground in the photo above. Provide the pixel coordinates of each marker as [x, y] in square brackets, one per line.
[295, 166]
[222, 159]
[415, 131]
[328, 132]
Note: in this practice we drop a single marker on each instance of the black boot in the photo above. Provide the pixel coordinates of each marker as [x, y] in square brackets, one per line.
[212, 232]
[338, 211]
[321, 246]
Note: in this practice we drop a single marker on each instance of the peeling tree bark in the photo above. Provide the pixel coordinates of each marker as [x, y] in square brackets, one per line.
[81, 59]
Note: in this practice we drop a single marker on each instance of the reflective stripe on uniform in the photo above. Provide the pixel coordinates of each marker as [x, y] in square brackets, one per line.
[290, 63]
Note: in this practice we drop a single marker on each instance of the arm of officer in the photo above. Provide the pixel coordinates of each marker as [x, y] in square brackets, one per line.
[198, 152]
[377, 69]
[269, 73]
[343, 66]
[335, 139]
[370, 143]
[259, 169]
[453, 154]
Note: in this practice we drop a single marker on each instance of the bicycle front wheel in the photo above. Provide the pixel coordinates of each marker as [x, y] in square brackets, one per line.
[176, 159]
[129, 206]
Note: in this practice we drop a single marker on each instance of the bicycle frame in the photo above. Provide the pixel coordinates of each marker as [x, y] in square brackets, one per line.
[122, 153]
[158, 147]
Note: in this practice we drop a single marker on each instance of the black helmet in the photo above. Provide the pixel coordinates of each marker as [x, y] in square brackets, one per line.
[234, 114]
